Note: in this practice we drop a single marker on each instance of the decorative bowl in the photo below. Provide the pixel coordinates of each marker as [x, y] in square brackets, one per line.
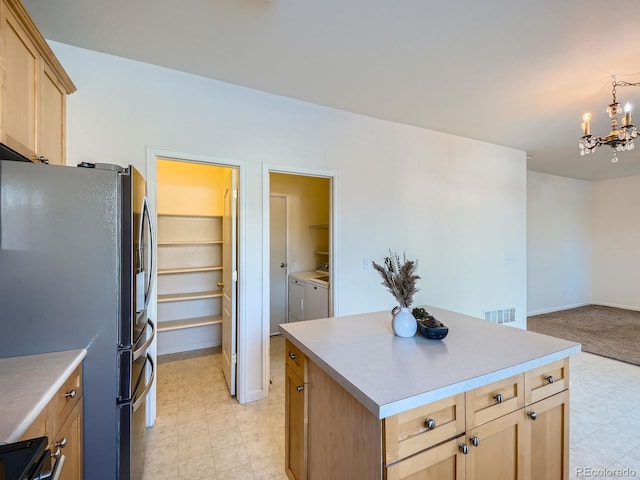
[433, 333]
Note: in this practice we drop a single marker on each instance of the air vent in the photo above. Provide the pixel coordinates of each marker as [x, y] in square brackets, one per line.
[507, 315]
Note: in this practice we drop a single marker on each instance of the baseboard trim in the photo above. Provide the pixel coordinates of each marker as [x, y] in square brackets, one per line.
[615, 305]
[559, 309]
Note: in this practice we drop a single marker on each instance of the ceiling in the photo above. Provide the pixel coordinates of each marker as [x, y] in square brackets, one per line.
[518, 73]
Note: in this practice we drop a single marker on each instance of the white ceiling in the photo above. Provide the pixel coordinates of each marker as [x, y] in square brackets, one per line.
[518, 73]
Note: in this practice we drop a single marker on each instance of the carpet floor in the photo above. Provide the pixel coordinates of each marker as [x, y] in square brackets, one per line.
[606, 331]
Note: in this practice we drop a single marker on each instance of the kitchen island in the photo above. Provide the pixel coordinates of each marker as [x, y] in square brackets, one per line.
[488, 401]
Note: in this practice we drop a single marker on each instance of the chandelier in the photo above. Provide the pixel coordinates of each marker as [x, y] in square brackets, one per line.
[619, 138]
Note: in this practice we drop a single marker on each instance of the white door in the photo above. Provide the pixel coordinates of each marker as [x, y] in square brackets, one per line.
[229, 279]
[277, 261]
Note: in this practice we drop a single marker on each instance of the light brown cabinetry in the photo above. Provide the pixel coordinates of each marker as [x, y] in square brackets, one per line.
[69, 440]
[530, 439]
[296, 407]
[494, 400]
[61, 422]
[493, 431]
[442, 462]
[496, 449]
[33, 89]
[547, 426]
[423, 427]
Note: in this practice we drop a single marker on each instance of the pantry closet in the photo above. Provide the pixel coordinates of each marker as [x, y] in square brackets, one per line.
[190, 208]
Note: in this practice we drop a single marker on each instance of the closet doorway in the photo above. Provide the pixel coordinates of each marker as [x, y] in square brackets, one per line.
[197, 259]
[300, 253]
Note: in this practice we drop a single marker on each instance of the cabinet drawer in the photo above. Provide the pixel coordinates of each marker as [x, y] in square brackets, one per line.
[542, 382]
[422, 427]
[494, 400]
[296, 360]
[67, 397]
[444, 462]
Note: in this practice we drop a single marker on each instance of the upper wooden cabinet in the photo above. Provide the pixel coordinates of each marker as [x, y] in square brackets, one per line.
[33, 88]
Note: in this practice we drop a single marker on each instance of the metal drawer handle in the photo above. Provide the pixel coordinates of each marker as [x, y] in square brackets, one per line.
[550, 379]
[464, 448]
[293, 356]
[57, 468]
[300, 388]
[475, 440]
[498, 397]
[430, 423]
[71, 394]
[532, 415]
[61, 444]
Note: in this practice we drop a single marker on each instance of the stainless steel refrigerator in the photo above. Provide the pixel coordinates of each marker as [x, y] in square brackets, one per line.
[76, 266]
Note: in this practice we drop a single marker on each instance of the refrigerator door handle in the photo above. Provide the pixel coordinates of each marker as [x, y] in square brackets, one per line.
[143, 348]
[146, 212]
[136, 404]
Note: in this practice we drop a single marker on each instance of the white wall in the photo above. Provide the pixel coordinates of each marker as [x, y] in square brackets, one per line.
[559, 247]
[616, 242]
[458, 205]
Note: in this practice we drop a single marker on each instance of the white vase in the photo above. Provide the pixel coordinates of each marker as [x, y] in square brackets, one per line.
[404, 324]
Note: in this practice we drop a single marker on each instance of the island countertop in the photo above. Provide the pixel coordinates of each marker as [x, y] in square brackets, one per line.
[389, 374]
[27, 384]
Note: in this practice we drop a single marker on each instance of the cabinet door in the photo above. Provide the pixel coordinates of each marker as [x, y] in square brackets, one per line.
[499, 451]
[69, 440]
[444, 462]
[296, 301]
[316, 299]
[548, 437]
[295, 426]
[18, 97]
[51, 117]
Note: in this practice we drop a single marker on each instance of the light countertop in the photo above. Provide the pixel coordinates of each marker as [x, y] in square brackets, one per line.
[390, 374]
[27, 384]
[306, 275]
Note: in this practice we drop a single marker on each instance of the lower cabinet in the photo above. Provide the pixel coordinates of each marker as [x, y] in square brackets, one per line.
[296, 300]
[496, 449]
[296, 408]
[529, 444]
[548, 437]
[443, 462]
[69, 441]
[61, 421]
[488, 433]
[316, 301]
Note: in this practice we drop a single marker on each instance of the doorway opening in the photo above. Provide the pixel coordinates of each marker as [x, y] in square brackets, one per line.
[197, 257]
[300, 253]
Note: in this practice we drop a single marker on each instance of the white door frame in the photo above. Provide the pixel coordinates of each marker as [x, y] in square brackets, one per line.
[153, 154]
[334, 250]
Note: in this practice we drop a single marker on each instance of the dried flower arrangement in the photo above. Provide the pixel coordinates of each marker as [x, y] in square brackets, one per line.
[399, 278]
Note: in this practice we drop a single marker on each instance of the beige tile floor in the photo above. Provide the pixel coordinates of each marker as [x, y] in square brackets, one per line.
[202, 433]
[605, 418]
